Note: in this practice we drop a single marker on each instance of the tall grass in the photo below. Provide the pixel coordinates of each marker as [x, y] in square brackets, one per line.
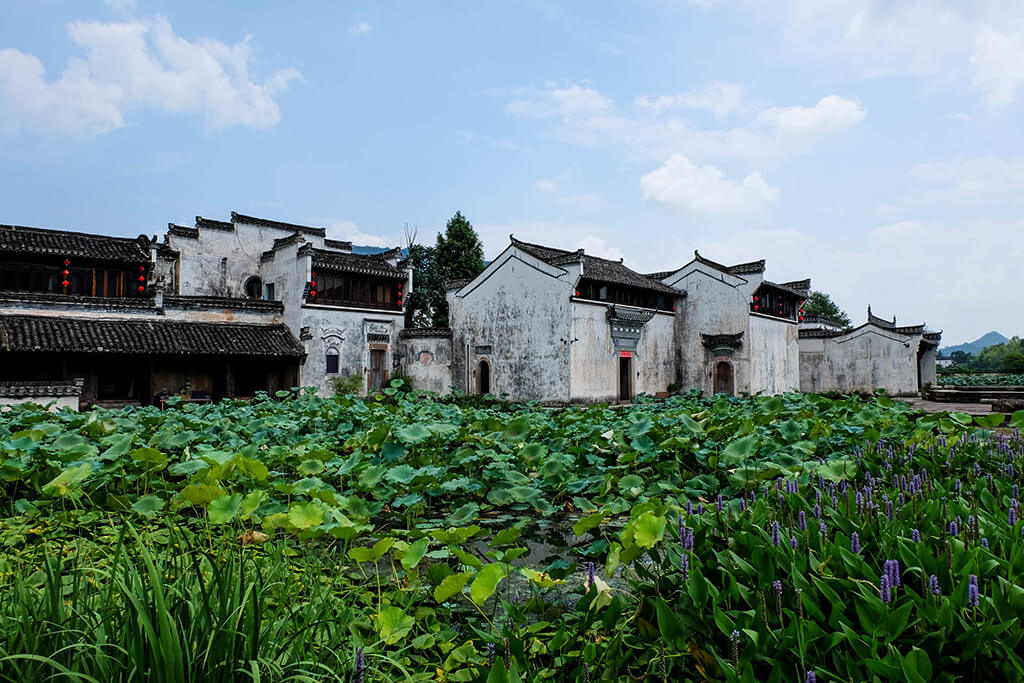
[173, 615]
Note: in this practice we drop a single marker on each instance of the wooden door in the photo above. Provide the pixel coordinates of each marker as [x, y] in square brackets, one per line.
[378, 369]
[625, 375]
[723, 378]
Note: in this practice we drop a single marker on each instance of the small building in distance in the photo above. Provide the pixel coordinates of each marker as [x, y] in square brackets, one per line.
[879, 354]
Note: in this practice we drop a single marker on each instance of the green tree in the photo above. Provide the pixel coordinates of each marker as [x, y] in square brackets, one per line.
[1014, 361]
[457, 254]
[820, 305]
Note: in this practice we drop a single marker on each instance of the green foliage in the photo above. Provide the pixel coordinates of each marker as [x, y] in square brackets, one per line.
[343, 385]
[820, 305]
[458, 254]
[269, 540]
[1008, 357]
[980, 380]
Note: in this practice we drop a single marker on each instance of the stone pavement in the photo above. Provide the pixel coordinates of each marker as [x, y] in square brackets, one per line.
[943, 406]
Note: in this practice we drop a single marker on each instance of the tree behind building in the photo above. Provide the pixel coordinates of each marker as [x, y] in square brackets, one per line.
[457, 254]
[820, 305]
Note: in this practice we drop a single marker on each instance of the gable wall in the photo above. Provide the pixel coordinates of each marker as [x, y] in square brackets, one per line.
[518, 307]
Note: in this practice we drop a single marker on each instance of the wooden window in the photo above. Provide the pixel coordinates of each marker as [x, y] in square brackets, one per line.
[332, 362]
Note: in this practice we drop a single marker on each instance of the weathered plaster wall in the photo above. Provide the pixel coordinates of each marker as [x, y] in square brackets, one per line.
[774, 350]
[345, 331]
[715, 303]
[59, 402]
[427, 360]
[516, 314]
[866, 359]
[595, 362]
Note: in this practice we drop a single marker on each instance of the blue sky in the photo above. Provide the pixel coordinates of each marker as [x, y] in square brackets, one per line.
[872, 146]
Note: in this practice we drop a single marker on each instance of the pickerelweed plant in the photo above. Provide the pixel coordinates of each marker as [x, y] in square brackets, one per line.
[405, 537]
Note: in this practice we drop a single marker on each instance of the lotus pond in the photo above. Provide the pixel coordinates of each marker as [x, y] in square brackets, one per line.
[407, 538]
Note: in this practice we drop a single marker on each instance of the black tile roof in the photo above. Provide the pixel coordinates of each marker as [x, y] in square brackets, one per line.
[182, 231]
[34, 333]
[376, 264]
[223, 302]
[594, 268]
[40, 389]
[292, 227]
[50, 299]
[343, 245]
[801, 286]
[206, 223]
[73, 245]
[783, 288]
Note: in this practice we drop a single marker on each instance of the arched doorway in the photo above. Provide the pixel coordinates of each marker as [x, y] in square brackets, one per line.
[483, 376]
[724, 378]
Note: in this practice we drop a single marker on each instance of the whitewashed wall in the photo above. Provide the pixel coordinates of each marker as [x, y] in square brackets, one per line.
[515, 315]
[427, 360]
[865, 359]
[774, 350]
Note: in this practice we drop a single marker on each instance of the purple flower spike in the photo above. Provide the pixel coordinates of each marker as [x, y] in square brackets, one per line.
[888, 510]
[793, 543]
[682, 530]
[719, 503]
[823, 529]
[817, 511]
[689, 509]
[775, 533]
[933, 583]
[916, 536]
[360, 665]
[984, 542]
[883, 589]
[855, 542]
[802, 520]
[590, 574]
[811, 677]
[684, 566]
[892, 569]
[952, 529]
[972, 591]
[1012, 516]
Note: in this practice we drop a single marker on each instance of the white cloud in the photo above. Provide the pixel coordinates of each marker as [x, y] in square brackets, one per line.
[350, 232]
[705, 189]
[134, 65]
[943, 41]
[718, 98]
[595, 246]
[998, 66]
[974, 177]
[830, 115]
[584, 116]
[360, 28]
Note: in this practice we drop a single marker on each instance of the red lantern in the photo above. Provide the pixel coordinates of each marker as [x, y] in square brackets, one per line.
[312, 283]
[756, 299]
[142, 269]
[577, 292]
[756, 307]
[142, 278]
[65, 272]
[312, 292]
[65, 283]
[399, 285]
[141, 288]
[67, 262]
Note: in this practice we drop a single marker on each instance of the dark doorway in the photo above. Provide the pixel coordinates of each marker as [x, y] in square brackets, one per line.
[484, 376]
[625, 375]
[723, 378]
[378, 369]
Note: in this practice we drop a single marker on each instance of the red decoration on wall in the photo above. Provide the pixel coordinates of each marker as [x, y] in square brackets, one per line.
[625, 354]
[67, 262]
[756, 307]
[65, 283]
[141, 288]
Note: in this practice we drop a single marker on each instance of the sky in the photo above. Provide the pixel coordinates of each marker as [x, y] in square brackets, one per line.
[872, 146]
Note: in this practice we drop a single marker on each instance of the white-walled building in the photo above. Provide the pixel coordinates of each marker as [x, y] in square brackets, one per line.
[736, 331]
[878, 354]
[561, 326]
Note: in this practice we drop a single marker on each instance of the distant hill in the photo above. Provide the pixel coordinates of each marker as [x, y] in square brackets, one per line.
[990, 339]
